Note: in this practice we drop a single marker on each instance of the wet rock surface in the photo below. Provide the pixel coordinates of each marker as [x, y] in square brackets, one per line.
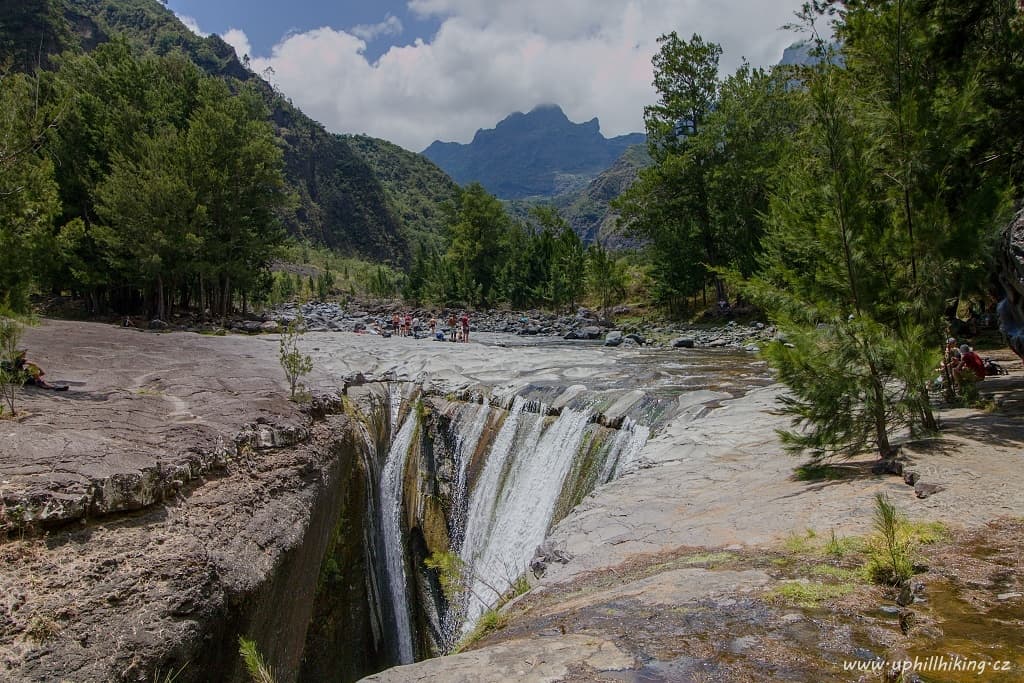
[679, 562]
[183, 501]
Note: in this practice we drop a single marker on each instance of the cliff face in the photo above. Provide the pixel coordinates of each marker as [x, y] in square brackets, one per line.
[538, 153]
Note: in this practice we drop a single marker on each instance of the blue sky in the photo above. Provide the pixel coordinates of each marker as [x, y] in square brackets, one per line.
[412, 71]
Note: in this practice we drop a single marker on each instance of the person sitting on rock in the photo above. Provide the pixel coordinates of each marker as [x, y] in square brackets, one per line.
[29, 373]
[969, 370]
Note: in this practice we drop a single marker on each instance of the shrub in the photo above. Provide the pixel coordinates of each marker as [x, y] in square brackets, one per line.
[294, 362]
[889, 555]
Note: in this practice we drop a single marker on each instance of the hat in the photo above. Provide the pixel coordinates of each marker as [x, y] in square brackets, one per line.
[964, 348]
[951, 340]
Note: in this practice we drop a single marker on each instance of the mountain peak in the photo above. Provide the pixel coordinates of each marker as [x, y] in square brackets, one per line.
[525, 154]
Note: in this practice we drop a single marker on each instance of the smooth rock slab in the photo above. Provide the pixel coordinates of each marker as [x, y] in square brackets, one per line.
[532, 660]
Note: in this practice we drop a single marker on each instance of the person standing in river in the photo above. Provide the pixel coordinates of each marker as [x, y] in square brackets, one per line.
[464, 320]
[453, 325]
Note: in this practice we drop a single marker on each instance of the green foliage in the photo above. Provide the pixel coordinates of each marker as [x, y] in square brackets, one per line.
[606, 277]
[28, 192]
[294, 363]
[475, 251]
[489, 622]
[170, 184]
[877, 222]
[257, 668]
[12, 377]
[417, 190]
[809, 593]
[716, 146]
[449, 568]
[889, 560]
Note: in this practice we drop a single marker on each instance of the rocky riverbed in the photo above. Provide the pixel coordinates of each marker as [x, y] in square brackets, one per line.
[174, 499]
[624, 327]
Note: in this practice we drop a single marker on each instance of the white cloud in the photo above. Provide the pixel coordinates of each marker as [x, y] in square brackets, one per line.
[236, 38]
[391, 26]
[192, 25]
[593, 57]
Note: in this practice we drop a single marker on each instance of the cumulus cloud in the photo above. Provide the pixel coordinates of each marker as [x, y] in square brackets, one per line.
[391, 26]
[236, 38]
[593, 57]
[192, 25]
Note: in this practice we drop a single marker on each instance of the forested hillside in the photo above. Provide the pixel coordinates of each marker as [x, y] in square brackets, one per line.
[421, 194]
[339, 201]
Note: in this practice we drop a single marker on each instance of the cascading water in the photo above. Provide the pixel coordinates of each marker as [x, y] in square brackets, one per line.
[465, 446]
[391, 495]
[517, 520]
[480, 511]
[496, 525]
[624, 450]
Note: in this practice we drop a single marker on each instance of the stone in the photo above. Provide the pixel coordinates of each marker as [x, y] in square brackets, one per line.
[270, 326]
[911, 478]
[906, 595]
[888, 466]
[636, 338]
[590, 332]
[1002, 597]
[158, 324]
[923, 490]
[613, 338]
[683, 343]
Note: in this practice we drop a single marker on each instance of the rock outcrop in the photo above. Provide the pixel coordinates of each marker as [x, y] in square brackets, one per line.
[1011, 276]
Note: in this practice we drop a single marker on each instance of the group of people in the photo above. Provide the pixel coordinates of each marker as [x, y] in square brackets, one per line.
[963, 366]
[408, 326]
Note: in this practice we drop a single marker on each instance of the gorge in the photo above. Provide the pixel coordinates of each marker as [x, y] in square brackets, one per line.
[309, 532]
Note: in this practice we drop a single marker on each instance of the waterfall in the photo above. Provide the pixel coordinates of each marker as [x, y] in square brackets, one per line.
[391, 495]
[480, 512]
[465, 445]
[504, 530]
[495, 524]
[624, 449]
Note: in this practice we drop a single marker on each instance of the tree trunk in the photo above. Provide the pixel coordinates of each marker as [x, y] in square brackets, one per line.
[160, 297]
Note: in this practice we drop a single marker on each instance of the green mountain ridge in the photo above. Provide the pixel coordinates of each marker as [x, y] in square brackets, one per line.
[347, 197]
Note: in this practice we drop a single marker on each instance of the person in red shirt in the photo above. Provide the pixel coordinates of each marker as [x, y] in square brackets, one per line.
[970, 368]
[465, 326]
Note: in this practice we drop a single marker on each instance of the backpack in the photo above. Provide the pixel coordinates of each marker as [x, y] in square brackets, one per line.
[993, 368]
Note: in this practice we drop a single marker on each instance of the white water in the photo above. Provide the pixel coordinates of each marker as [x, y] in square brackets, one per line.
[391, 495]
[504, 531]
[625, 448]
[465, 446]
[480, 512]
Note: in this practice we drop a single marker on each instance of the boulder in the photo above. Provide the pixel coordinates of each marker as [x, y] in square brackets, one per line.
[614, 338]
[590, 332]
[157, 324]
[270, 326]
[682, 343]
[636, 338]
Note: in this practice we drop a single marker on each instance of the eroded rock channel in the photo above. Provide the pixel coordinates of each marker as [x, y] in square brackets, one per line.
[173, 500]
